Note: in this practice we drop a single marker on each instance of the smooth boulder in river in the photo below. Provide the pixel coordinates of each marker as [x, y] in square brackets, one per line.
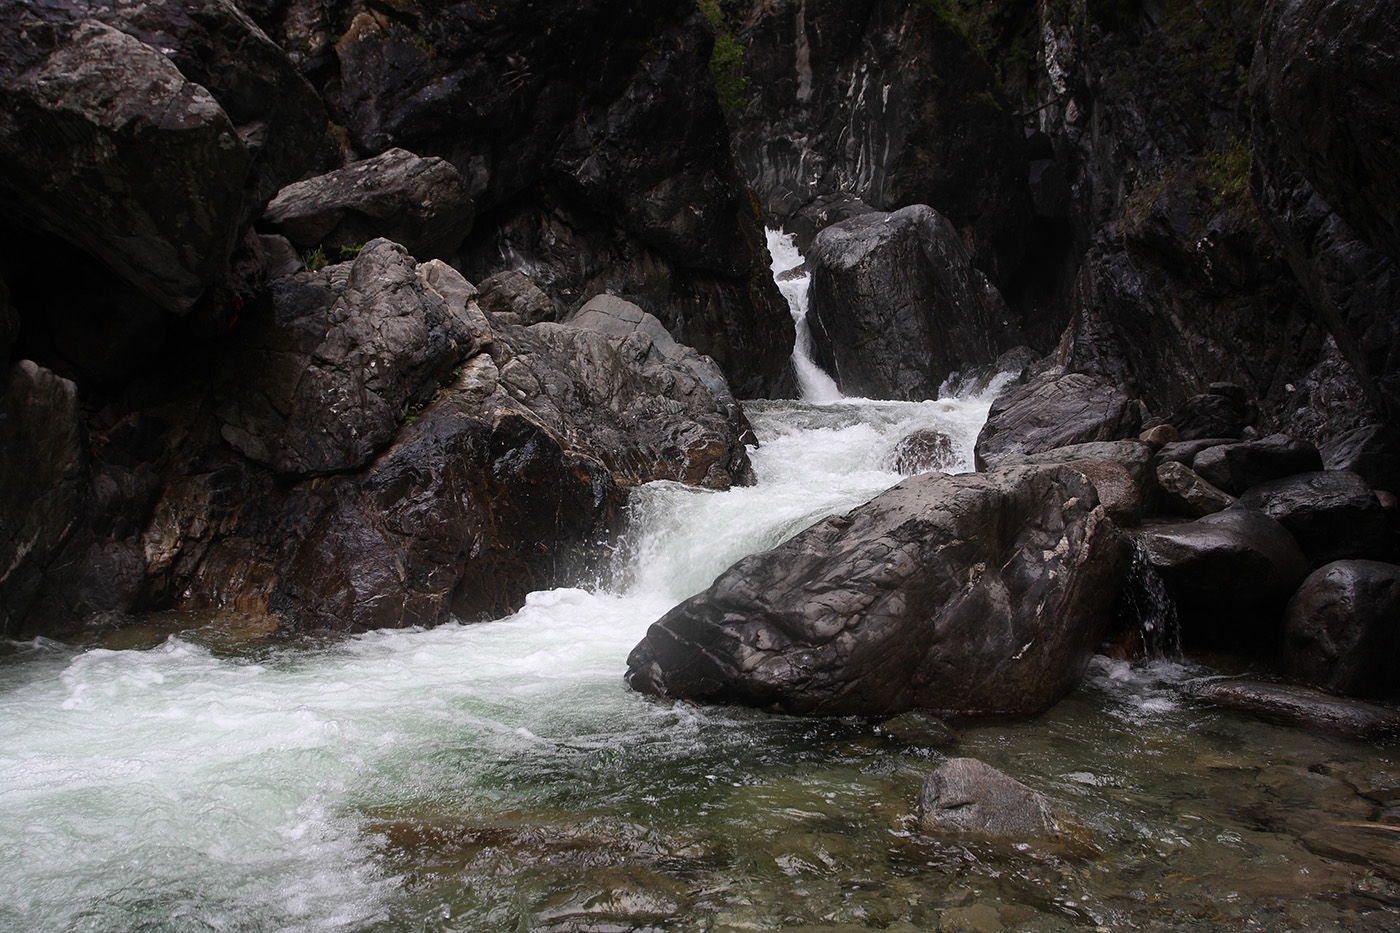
[980, 595]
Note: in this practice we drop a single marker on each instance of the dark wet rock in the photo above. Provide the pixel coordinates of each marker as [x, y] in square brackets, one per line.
[595, 150]
[1342, 629]
[1015, 365]
[896, 305]
[647, 406]
[1234, 468]
[858, 105]
[279, 257]
[971, 595]
[1325, 72]
[1332, 515]
[1184, 452]
[1054, 410]
[1212, 414]
[1184, 492]
[338, 358]
[1230, 575]
[513, 298]
[420, 203]
[43, 482]
[922, 451]
[1372, 451]
[149, 136]
[1122, 472]
[1303, 707]
[969, 796]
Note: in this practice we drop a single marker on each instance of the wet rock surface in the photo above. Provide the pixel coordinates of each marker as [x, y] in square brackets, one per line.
[896, 306]
[1054, 410]
[1342, 629]
[1016, 570]
[969, 796]
[1299, 706]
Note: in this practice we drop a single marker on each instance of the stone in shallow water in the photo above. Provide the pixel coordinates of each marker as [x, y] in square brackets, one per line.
[1303, 707]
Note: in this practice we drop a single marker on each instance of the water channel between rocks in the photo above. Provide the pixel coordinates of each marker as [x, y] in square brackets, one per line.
[500, 777]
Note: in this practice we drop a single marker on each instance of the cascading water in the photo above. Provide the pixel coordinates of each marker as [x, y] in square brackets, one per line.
[501, 777]
[794, 282]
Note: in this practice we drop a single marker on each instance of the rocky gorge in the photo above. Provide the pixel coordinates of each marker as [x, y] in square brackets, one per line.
[339, 316]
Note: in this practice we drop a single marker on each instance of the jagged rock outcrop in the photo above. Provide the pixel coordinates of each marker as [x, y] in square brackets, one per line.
[1342, 629]
[972, 595]
[593, 147]
[1054, 409]
[896, 305]
[321, 384]
[148, 136]
[421, 204]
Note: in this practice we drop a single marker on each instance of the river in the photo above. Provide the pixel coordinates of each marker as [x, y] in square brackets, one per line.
[184, 775]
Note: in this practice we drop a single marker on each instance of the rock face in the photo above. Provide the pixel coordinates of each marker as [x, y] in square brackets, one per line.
[975, 595]
[857, 105]
[1237, 467]
[421, 204]
[896, 305]
[1342, 629]
[969, 796]
[148, 136]
[1230, 575]
[1054, 410]
[1123, 473]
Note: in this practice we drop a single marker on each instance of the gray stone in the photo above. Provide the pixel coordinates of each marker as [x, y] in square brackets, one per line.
[970, 595]
[969, 796]
[1342, 629]
[420, 203]
[514, 298]
[1236, 467]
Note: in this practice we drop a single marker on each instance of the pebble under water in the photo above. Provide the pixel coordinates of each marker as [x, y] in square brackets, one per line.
[501, 776]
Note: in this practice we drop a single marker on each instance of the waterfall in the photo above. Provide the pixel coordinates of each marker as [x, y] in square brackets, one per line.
[790, 272]
[1150, 607]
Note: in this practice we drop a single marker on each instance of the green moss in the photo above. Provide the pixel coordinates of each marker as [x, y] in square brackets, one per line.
[350, 251]
[726, 60]
[1226, 175]
[314, 259]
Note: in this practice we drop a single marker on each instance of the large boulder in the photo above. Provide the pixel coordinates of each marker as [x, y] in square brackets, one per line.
[1332, 514]
[1123, 473]
[1052, 410]
[1342, 629]
[148, 135]
[1230, 575]
[975, 595]
[896, 305]
[422, 204]
[338, 359]
[1372, 451]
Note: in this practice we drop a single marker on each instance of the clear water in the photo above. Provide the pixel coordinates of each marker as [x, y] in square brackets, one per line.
[501, 776]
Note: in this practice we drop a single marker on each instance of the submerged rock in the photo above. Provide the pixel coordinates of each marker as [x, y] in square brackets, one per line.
[969, 796]
[973, 595]
[1342, 629]
[1303, 707]
[896, 305]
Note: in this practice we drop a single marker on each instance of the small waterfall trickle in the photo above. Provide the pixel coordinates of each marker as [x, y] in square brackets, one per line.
[794, 281]
[1149, 608]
